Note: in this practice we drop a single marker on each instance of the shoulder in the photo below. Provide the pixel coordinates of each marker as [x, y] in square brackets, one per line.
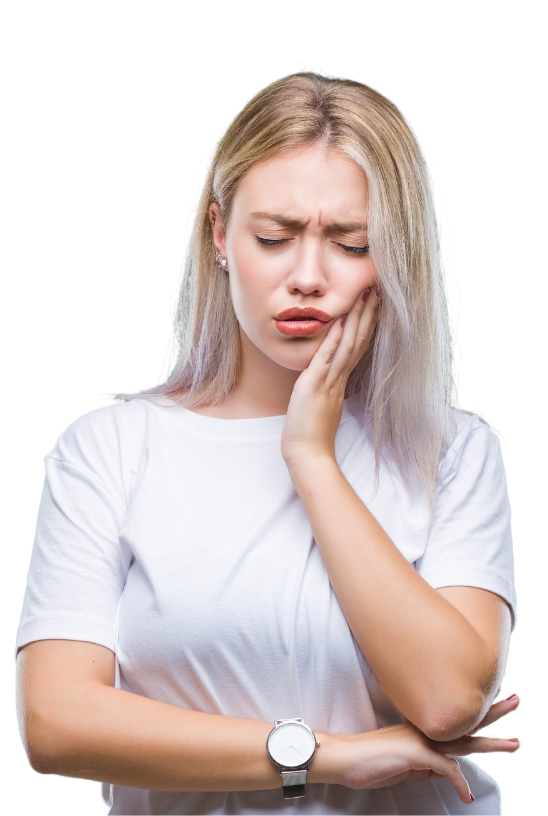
[98, 437]
[473, 446]
[467, 428]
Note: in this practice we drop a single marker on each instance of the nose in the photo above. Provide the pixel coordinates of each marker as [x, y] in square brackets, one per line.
[308, 273]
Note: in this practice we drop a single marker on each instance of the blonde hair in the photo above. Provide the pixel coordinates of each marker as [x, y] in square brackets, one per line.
[402, 387]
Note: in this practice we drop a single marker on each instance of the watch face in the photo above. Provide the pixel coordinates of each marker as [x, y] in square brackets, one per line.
[291, 744]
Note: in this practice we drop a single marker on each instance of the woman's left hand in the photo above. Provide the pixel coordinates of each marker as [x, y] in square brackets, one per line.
[316, 404]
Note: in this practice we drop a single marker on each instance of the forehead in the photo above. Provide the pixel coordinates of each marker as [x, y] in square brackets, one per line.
[313, 182]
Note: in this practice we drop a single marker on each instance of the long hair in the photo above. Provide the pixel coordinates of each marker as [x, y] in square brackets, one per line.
[403, 385]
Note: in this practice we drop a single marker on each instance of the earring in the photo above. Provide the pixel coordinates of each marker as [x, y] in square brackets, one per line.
[221, 262]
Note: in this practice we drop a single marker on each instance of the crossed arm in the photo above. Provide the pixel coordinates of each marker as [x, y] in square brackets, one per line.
[439, 654]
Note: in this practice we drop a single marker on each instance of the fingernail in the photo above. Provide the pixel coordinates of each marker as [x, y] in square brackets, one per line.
[514, 739]
[366, 294]
[472, 797]
[343, 320]
[512, 697]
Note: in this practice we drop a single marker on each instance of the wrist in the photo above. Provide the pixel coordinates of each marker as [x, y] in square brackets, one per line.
[327, 765]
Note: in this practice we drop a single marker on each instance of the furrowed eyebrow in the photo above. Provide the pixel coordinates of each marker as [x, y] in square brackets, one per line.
[284, 221]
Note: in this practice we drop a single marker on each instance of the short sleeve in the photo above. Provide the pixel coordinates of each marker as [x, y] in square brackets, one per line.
[470, 539]
[78, 564]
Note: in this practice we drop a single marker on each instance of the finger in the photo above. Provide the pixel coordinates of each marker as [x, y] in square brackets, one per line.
[478, 745]
[353, 315]
[450, 768]
[359, 307]
[357, 332]
[487, 745]
[497, 711]
[333, 354]
[369, 314]
[460, 782]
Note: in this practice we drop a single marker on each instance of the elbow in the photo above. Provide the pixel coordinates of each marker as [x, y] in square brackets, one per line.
[445, 730]
[454, 720]
[41, 746]
[38, 767]
[41, 761]
[465, 706]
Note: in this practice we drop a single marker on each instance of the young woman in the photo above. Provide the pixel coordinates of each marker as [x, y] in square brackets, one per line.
[282, 581]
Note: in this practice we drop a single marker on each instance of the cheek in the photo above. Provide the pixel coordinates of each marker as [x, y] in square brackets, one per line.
[252, 281]
[249, 291]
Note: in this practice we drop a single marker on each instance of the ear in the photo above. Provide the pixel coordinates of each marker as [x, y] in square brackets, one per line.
[218, 229]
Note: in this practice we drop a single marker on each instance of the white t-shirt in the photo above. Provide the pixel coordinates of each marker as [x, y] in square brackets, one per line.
[178, 541]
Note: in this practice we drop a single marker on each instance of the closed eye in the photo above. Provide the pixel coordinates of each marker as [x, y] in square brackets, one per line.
[356, 250]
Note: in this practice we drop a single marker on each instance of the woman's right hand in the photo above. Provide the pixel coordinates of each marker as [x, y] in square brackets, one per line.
[386, 756]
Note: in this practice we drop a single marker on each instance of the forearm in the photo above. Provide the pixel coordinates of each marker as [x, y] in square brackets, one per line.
[427, 656]
[110, 735]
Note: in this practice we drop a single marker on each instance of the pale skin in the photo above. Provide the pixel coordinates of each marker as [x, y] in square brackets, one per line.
[311, 269]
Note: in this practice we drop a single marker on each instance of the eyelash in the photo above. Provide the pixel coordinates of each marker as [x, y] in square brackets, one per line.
[278, 242]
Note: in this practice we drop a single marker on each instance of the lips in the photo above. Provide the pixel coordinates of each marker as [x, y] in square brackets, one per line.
[308, 313]
[299, 328]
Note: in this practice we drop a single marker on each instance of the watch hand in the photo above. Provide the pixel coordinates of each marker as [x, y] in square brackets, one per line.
[292, 746]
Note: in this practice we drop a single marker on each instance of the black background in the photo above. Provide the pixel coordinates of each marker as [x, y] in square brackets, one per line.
[112, 148]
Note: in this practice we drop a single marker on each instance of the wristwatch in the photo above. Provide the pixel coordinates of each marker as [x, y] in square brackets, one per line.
[291, 745]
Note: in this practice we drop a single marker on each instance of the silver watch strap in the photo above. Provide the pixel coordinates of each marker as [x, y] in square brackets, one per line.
[294, 777]
[293, 783]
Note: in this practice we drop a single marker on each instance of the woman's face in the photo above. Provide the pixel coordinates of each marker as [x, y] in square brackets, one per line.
[296, 237]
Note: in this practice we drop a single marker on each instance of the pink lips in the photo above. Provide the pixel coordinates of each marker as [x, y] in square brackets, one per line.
[299, 328]
[304, 313]
[297, 322]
